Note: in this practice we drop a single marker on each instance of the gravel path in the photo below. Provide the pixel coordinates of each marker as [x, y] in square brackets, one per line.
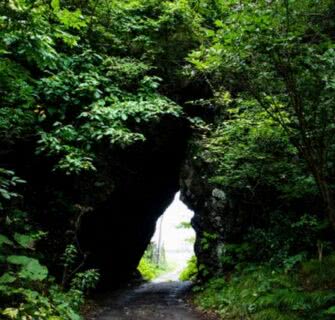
[159, 300]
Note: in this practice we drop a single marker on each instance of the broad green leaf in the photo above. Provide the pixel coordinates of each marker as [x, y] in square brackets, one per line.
[5, 240]
[7, 278]
[4, 289]
[19, 260]
[26, 241]
[331, 310]
[31, 268]
[34, 271]
[12, 313]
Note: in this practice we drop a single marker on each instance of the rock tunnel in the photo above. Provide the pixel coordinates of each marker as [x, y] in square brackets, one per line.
[143, 181]
[110, 214]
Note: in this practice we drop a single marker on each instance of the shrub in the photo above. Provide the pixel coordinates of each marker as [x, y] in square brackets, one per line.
[148, 269]
[191, 270]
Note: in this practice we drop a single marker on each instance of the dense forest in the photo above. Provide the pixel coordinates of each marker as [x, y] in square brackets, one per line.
[112, 103]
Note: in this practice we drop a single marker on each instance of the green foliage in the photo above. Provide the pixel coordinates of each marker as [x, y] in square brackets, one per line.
[79, 77]
[148, 269]
[27, 290]
[319, 273]
[184, 225]
[75, 77]
[191, 270]
[161, 32]
[285, 238]
[207, 239]
[30, 269]
[234, 254]
[250, 151]
[84, 281]
[16, 85]
[279, 55]
[261, 293]
[257, 173]
[79, 98]
[8, 181]
[94, 90]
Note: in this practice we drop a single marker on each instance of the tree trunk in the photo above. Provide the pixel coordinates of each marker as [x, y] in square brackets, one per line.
[330, 203]
[326, 195]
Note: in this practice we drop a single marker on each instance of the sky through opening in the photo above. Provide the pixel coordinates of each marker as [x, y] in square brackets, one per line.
[178, 242]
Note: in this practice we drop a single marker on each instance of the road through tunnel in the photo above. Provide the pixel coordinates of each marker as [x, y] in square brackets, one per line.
[172, 246]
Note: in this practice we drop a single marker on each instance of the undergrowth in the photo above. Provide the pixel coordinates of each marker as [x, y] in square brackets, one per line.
[149, 270]
[260, 293]
[149, 267]
[190, 271]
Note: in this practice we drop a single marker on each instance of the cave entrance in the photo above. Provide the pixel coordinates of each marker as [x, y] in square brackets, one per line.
[172, 244]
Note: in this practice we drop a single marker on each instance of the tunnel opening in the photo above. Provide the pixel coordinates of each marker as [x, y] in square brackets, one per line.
[134, 188]
[172, 244]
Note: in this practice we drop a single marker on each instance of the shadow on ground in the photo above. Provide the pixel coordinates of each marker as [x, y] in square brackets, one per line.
[159, 300]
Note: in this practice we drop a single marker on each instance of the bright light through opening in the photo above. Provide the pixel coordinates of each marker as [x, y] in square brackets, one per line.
[177, 242]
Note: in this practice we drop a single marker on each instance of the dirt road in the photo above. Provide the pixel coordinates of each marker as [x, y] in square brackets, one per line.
[159, 300]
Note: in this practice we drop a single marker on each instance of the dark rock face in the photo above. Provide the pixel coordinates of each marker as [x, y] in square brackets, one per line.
[228, 216]
[210, 218]
[111, 213]
[145, 179]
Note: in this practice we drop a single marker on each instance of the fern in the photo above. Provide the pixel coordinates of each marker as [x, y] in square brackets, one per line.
[274, 314]
[261, 294]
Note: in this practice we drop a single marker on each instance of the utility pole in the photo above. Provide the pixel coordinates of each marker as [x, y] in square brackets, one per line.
[160, 236]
